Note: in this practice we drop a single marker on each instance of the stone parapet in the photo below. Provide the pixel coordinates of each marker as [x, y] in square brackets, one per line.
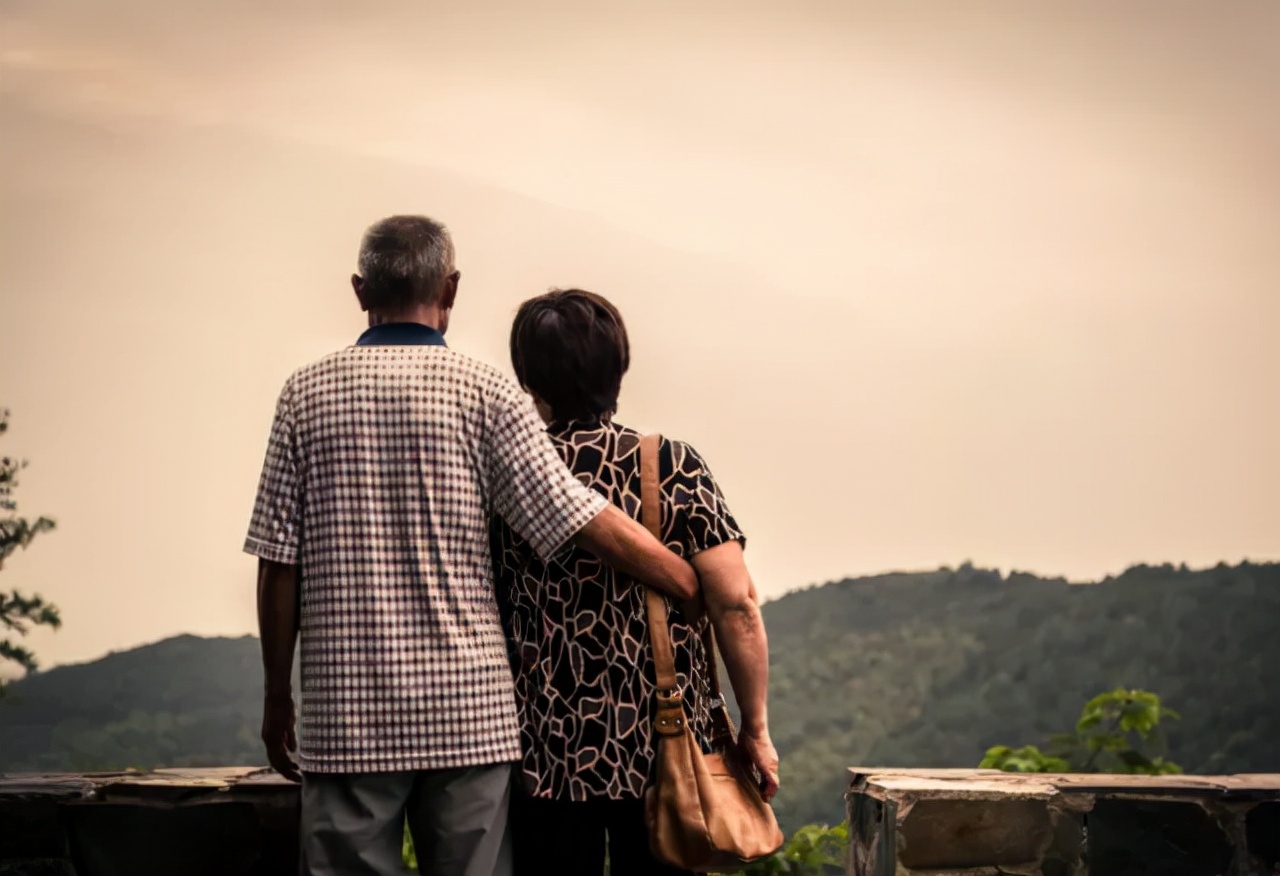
[227, 821]
[912, 822]
[243, 821]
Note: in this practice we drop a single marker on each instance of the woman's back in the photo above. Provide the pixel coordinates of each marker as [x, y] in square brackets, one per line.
[579, 633]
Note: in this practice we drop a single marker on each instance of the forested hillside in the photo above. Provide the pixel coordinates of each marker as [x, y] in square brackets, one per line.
[931, 669]
[186, 701]
[908, 669]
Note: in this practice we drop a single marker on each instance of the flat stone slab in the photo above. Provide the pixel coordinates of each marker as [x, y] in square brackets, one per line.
[90, 786]
[970, 789]
[957, 821]
[933, 782]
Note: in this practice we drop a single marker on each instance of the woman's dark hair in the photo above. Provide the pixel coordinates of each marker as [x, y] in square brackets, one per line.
[569, 348]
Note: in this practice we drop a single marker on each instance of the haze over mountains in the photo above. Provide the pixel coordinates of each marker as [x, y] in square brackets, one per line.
[921, 283]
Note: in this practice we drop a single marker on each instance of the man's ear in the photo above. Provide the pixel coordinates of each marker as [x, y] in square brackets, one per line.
[357, 283]
[450, 290]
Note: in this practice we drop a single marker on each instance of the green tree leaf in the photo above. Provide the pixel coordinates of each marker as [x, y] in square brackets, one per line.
[18, 613]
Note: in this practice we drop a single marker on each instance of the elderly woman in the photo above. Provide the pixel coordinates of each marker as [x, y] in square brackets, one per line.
[579, 635]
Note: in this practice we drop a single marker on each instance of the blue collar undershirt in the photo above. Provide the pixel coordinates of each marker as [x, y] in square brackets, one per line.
[400, 334]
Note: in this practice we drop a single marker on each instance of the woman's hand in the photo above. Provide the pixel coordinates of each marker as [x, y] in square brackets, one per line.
[756, 748]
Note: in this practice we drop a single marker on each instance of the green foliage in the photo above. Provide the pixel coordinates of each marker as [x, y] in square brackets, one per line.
[813, 850]
[15, 532]
[18, 612]
[1118, 732]
[1027, 759]
[407, 852]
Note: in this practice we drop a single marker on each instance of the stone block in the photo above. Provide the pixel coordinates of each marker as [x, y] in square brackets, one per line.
[984, 823]
[1155, 837]
[1262, 835]
[209, 822]
[936, 834]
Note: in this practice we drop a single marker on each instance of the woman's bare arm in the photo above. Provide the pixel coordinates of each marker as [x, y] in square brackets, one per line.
[734, 612]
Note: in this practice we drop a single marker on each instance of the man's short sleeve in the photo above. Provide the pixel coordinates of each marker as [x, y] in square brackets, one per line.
[529, 484]
[275, 529]
[702, 513]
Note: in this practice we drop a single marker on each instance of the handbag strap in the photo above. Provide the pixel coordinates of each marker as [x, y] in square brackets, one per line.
[669, 717]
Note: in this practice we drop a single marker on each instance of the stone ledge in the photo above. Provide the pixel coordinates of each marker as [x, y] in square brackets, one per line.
[986, 822]
[226, 821]
[243, 821]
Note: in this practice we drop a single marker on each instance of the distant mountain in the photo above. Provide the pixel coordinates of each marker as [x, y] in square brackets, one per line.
[186, 701]
[931, 669]
[907, 669]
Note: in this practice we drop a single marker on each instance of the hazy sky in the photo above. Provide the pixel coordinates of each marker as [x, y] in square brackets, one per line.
[923, 282]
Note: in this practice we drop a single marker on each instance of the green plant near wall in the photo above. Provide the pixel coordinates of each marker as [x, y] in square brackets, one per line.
[813, 850]
[1119, 731]
[407, 852]
[1027, 759]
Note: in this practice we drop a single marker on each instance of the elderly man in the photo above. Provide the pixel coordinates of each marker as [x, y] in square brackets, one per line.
[370, 526]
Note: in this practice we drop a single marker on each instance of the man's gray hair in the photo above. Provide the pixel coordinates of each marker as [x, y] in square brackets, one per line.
[403, 260]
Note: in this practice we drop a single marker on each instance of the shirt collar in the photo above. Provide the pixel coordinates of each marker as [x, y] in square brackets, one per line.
[581, 424]
[400, 334]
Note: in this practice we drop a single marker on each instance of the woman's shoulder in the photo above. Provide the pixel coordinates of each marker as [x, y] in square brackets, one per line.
[627, 441]
[679, 460]
[685, 460]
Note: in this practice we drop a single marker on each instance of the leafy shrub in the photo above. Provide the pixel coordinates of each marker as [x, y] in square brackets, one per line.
[813, 850]
[1118, 732]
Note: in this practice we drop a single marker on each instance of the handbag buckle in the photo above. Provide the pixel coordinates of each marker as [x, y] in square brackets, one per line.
[669, 708]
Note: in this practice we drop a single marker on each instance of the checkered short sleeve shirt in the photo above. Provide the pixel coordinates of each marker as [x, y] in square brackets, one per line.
[381, 469]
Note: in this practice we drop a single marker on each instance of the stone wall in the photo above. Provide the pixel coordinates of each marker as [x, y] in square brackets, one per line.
[244, 822]
[985, 822]
[190, 822]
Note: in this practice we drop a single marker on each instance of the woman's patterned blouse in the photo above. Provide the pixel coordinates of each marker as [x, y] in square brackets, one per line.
[578, 633]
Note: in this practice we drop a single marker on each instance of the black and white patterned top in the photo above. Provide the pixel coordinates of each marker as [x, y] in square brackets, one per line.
[579, 634]
[383, 467]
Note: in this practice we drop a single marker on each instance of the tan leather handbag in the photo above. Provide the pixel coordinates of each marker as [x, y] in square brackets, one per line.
[704, 811]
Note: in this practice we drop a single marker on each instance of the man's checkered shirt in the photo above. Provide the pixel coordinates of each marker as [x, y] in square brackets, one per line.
[382, 467]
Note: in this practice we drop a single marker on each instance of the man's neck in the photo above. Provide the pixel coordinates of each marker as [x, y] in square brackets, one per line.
[423, 314]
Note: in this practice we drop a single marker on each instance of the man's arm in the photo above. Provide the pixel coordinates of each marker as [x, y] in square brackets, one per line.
[735, 616]
[539, 497]
[278, 631]
[630, 549]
